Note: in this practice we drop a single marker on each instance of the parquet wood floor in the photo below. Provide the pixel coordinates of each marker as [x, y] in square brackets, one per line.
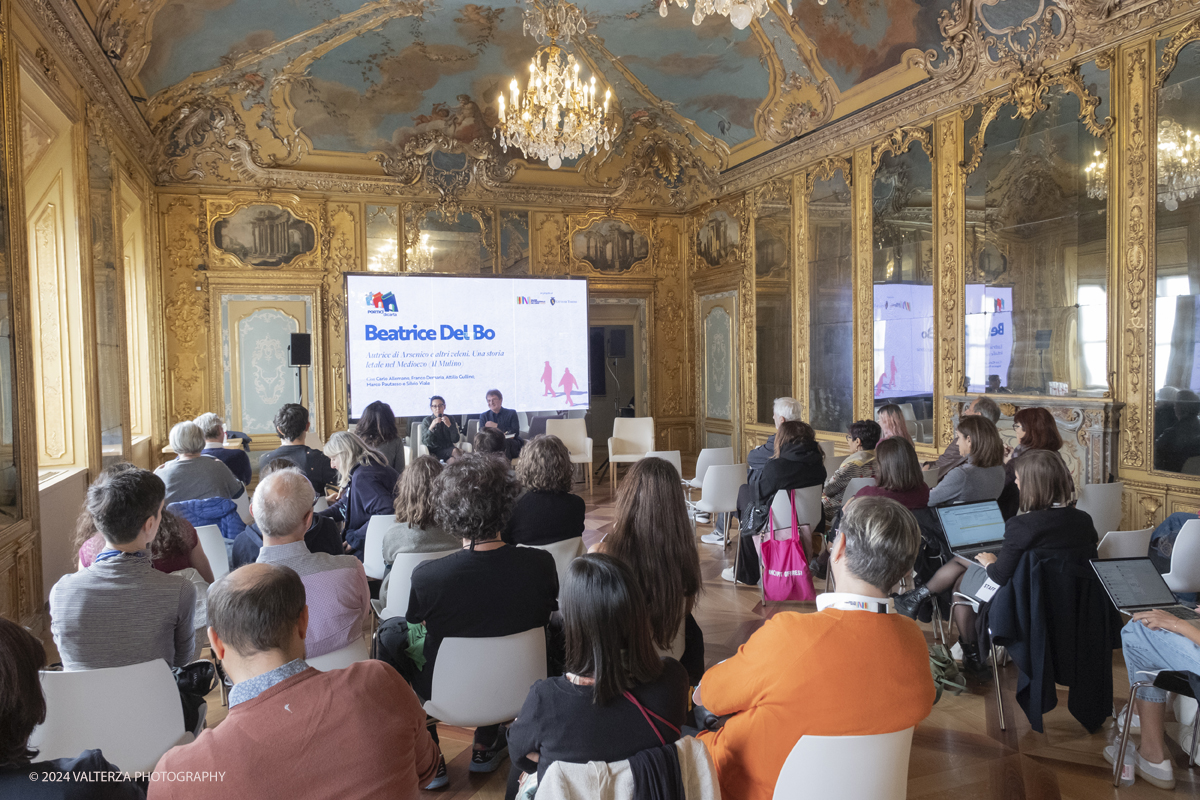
[958, 752]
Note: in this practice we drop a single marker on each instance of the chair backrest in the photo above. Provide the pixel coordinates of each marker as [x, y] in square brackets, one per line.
[311, 439]
[847, 768]
[808, 506]
[400, 582]
[414, 441]
[668, 455]
[321, 504]
[523, 421]
[358, 650]
[480, 682]
[931, 477]
[1103, 502]
[720, 488]
[472, 429]
[907, 410]
[213, 545]
[781, 514]
[373, 546]
[710, 457]
[1126, 544]
[857, 484]
[243, 507]
[572, 432]
[634, 435]
[1185, 559]
[564, 553]
[537, 426]
[131, 713]
[914, 431]
[832, 462]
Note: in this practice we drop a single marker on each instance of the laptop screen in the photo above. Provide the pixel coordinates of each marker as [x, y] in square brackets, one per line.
[1133, 582]
[972, 523]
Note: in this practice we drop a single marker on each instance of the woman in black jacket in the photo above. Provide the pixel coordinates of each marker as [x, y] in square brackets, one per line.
[798, 462]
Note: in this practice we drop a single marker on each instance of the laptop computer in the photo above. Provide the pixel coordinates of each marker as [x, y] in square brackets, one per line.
[972, 528]
[1133, 585]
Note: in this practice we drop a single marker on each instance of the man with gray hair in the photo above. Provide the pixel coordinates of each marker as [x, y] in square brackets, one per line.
[980, 407]
[193, 476]
[338, 598]
[235, 458]
[778, 685]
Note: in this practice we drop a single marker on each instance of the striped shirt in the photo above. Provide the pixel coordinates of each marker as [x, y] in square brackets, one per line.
[335, 588]
[122, 611]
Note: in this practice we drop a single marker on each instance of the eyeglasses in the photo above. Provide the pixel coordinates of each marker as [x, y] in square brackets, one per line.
[437, 405]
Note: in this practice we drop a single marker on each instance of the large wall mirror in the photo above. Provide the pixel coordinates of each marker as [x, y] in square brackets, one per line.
[772, 297]
[108, 284]
[830, 298]
[10, 484]
[1177, 304]
[902, 277]
[1037, 242]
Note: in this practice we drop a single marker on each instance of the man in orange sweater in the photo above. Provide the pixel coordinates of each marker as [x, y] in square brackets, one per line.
[850, 669]
[292, 731]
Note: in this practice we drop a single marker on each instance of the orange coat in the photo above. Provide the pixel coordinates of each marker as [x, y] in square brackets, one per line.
[832, 673]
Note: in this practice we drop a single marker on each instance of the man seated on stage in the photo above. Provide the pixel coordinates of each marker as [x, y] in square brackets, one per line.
[506, 420]
[291, 423]
[441, 432]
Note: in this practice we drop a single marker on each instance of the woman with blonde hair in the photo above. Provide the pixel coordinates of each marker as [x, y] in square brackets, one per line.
[366, 484]
[892, 421]
[547, 512]
[416, 530]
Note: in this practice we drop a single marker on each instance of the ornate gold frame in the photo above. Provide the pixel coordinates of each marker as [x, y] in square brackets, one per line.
[486, 216]
[577, 223]
[218, 209]
[736, 209]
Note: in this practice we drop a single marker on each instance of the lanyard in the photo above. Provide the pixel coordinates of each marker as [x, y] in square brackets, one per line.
[105, 555]
[851, 602]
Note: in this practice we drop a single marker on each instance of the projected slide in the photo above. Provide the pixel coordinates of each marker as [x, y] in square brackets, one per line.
[903, 339]
[989, 333]
[412, 336]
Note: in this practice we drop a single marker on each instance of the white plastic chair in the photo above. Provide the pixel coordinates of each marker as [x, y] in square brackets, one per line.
[212, 543]
[931, 477]
[1102, 501]
[709, 457]
[373, 562]
[632, 438]
[847, 768]
[856, 485]
[832, 462]
[1185, 559]
[907, 410]
[1126, 544]
[358, 650]
[131, 713]
[573, 433]
[564, 553]
[669, 455]
[311, 439]
[471, 430]
[523, 423]
[718, 494]
[243, 507]
[321, 504]
[808, 506]
[480, 682]
[400, 582]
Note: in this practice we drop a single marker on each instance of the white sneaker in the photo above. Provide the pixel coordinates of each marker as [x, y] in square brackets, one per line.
[713, 538]
[1137, 722]
[702, 517]
[1161, 774]
[727, 574]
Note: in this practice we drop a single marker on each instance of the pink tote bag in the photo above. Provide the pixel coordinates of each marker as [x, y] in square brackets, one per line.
[785, 569]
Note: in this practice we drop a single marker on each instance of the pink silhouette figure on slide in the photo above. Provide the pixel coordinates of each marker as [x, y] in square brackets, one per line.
[568, 383]
[884, 381]
[548, 380]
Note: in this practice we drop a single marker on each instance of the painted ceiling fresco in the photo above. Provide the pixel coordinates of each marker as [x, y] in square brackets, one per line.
[362, 77]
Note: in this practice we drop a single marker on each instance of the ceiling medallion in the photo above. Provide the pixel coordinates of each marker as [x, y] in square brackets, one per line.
[740, 12]
[557, 117]
[1178, 167]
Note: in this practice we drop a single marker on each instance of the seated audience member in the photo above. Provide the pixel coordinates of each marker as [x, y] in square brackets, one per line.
[377, 429]
[291, 423]
[595, 711]
[1047, 525]
[862, 437]
[981, 477]
[192, 476]
[1162, 543]
[653, 536]
[441, 431]
[1036, 430]
[981, 406]
[490, 440]
[546, 512]
[214, 446]
[504, 420]
[898, 471]
[473, 593]
[416, 529]
[322, 537]
[176, 547]
[120, 610]
[338, 598]
[1164, 409]
[366, 485]
[1153, 641]
[23, 708]
[293, 731]
[786, 409]
[892, 423]
[798, 463]
[1181, 441]
[777, 685]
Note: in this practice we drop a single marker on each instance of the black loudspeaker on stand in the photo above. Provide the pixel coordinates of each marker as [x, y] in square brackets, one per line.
[300, 356]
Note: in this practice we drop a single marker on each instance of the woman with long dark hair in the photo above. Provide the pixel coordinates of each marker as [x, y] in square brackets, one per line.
[898, 474]
[1036, 430]
[618, 696]
[377, 428]
[982, 476]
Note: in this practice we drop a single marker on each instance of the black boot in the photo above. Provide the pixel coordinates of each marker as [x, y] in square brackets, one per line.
[972, 664]
[910, 603]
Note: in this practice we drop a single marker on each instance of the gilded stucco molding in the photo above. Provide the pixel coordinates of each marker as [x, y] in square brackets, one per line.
[949, 279]
[1185, 36]
[824, 170]
[339, 252]
[800, 292]
[863, 284]
[897, 143]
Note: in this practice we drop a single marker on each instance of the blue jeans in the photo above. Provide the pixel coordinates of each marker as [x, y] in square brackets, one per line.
[1156, 650]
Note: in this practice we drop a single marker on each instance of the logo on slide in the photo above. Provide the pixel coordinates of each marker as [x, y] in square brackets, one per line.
[532, 301]
[382, 301]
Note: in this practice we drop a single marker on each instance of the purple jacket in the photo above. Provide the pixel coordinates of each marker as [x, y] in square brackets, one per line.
[372, 491]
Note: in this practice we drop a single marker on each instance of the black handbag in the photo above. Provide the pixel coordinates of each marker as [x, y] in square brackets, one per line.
[197, 678]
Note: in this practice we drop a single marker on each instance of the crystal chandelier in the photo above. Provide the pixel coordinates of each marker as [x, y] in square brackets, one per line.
[557, 117]
[419, 257]
[740, 12]
[1178, 167]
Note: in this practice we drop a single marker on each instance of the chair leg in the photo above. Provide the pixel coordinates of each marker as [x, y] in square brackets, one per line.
[1195, 730]
[1120, 754]
[727, 518]
[999, 696]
